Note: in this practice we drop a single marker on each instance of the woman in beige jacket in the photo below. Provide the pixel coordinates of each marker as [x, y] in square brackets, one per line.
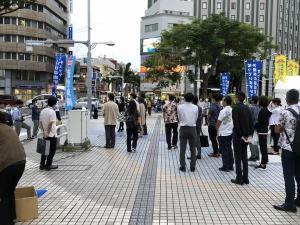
[143, 116]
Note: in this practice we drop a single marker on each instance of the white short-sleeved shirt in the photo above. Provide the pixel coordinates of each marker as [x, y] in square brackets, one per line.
[225, 117]
[47, 116]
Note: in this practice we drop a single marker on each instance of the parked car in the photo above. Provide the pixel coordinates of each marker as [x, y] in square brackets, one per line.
[83, 102]
[42, 100]
[8, 99]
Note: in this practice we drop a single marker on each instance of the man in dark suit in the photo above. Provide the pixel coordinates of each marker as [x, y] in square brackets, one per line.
[242, 129]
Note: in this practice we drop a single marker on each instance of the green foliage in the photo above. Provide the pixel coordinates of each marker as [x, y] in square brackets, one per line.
[8, 6]
[218, 41]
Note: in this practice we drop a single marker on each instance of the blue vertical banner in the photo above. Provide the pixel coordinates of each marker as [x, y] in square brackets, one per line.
[225, 80]
[60, 62]
[69, 93]
[253, 71]
[70, 32]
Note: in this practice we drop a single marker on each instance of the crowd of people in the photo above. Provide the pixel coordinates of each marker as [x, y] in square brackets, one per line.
[231, 128]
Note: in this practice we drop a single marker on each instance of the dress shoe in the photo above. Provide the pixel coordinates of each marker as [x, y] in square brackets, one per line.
[193, 169]
[246, 181]
[198, 156]
[169, 148]
[134, 149]
[183, 169]
[237, 181]
[174, 147]
[106, 146]
[285, 208]
[52, 167]
[129, 150]
[297, 201]
[224, 169]
[42, 167]
[261, 167]
[214, 155]
[231, 169]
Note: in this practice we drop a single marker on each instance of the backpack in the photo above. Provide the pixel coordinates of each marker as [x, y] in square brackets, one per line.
[296, 143]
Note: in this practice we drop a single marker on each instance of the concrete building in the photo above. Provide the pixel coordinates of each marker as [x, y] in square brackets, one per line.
[161, 15]
[277, 18]
[27, 74]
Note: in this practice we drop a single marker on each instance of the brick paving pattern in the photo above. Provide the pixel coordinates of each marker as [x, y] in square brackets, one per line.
[111, 186]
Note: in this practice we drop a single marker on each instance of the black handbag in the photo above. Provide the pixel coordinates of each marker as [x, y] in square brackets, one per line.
[204, 141]
[43, 146]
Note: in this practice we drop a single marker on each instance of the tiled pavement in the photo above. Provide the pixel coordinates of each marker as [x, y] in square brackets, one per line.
[111, 186]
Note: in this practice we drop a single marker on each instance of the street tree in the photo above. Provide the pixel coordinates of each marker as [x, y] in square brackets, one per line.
[218, 41]
[8, 6]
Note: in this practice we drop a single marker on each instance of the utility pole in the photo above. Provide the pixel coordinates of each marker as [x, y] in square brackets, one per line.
[89, 61]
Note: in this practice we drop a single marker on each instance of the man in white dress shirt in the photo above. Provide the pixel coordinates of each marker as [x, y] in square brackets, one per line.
[187, 115]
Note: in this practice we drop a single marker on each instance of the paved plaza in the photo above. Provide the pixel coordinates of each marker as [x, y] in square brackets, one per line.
[111, 186]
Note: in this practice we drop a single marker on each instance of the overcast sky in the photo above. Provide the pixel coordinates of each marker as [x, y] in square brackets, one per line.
[112, 20]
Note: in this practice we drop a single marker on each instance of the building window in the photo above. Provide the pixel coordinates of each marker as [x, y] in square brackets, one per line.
[151, 27]
[261, 18]
[232, 17]
[14, 20]
[204, 17]
[247, 5]
[204, 5]
[13, 38]
[27, 57]
[233, 5]
[14, 55]
[7, 38]
[6, 20]
[7, 55]
[21, 39]
[21, 56]
[262, 6]
[40, 8]
[219, 5]
[247, 18]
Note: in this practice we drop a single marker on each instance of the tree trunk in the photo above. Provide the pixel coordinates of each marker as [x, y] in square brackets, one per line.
[205, 84]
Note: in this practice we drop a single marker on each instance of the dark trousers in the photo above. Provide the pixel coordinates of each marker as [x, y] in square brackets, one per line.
[49, 158]
[121, 127]
[275, 138]
[149, 110]
[132, 135]
[110, 134]
[9, 179]
[171, 128]
[227, 154]
[145, 126]
[212, 131]
[263, 145]
[291, 172]
[198, 142]
[240, 155]
[188, 134]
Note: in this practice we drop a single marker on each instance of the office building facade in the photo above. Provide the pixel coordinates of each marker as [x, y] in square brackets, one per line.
[277, 18]
[22, 73]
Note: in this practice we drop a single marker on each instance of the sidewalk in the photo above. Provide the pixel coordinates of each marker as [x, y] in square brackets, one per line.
[111, 186]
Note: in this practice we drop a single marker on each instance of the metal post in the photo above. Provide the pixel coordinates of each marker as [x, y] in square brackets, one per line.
[89, 62]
